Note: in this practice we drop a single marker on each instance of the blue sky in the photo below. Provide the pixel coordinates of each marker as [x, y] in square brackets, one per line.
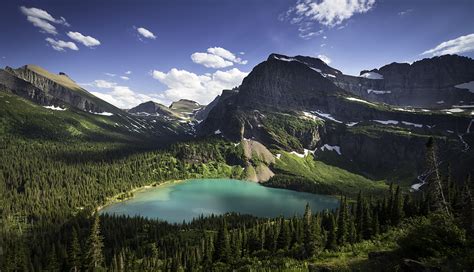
[128, 52]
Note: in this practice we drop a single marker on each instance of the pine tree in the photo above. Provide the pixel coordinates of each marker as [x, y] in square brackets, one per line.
[342, 223]
[222, 245]
[433, 179]
[53, 264]
[397, 208]
[359, 216]
[284, 237]
[367, 222]
[75, 252]
[309, 238]
[331, 236]
[94, 256]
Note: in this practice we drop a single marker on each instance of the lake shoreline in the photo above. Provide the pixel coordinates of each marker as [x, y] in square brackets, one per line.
[244, 198]
[126, 195]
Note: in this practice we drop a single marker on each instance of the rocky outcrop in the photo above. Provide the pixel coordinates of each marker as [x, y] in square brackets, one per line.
[201, 114]
[374, 139]
[153, 108]
[62, 88]
[258, 159]
[15, 85]
[426, 83]
[285, 84]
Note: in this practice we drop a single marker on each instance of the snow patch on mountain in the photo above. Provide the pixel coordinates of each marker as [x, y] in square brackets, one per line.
[326, 116]
[334, 148]
[102, 113]
[387, 122]
[54, 108]
[369, 91]
[360, 100]
[372, 75]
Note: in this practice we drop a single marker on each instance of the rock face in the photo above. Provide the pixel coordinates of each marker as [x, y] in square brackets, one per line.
[53, 88]
[286, 83]
[374, 139]
[13, 84]
[153, 108]
[426, 83]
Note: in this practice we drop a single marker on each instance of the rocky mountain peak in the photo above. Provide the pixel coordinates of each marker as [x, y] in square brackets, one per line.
[287, 83]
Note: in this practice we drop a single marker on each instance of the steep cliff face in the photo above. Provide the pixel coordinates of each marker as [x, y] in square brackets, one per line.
[432, 83]
[15, 85]
[62, 88]
[285, 83]
[298, 103]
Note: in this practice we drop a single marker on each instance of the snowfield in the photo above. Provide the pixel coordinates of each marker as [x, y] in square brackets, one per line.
[335, 148]
[369, 91]
[102, 113]
[326, 116]
[372, 75]
[360, 100]
[54, 108]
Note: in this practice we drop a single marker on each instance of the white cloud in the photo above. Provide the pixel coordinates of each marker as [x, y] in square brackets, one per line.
[200, 88]
[60, 45]
[324, 58]
[85, 40]
[146, 33]
[119, 95]
[45, 26]
[128, 72]
[210, 60]
[328, 13]
[42, 19]
[124, 77]
[217, 57]
[459, 45]
[226, 54]
[110, 74]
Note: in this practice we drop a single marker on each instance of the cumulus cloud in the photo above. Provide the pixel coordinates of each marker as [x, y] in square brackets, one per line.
[128, 72]
[124, 77]
[324, 58]
[60, 45]
[210, 60]
[217, 57]
[85, 40]
[201, 88]
[42, 19]
[328, 13]
[119, 95]
[146, 33]
[459, 45]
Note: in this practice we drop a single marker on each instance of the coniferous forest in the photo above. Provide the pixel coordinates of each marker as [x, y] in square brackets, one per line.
[50, 223]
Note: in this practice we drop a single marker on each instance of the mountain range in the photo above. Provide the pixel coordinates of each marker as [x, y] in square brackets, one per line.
[375, 124]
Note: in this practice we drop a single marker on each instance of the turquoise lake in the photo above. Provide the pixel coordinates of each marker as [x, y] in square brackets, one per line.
[186, 200]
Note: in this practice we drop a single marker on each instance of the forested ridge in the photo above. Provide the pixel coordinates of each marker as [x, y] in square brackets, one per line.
[50, 191]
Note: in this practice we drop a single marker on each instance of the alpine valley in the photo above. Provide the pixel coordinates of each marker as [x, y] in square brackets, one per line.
[393, 146]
